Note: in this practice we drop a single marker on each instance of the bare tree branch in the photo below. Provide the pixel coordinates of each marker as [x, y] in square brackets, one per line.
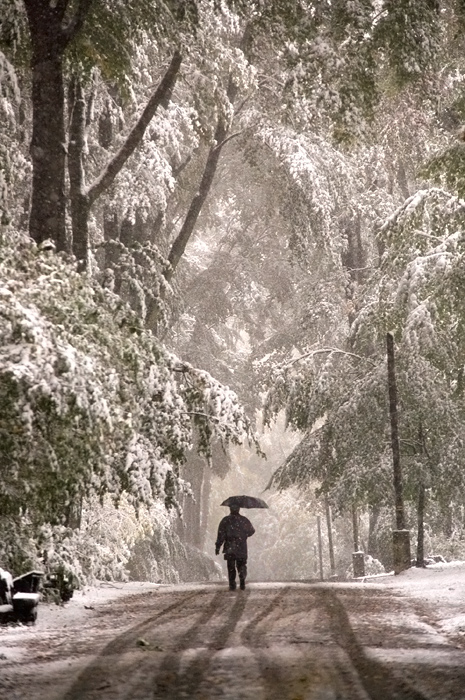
[160, 97]
[322, 351]
[228, 138]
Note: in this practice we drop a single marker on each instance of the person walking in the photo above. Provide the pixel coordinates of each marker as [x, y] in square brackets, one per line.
[233, 531]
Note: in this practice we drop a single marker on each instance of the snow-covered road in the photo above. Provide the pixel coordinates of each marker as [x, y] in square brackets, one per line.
[390, 638]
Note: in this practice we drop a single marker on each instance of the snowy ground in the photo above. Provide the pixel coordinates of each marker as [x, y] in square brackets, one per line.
[66, 638]
[441, 586]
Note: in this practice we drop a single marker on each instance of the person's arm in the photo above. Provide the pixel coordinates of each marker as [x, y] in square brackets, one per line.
[220, 538]
[250, 528]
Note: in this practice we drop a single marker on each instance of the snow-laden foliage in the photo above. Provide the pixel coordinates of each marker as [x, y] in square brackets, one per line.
[418, 288]
[14, 167]
[90, 402]
[103, 547]
[446, 167]
[410, 32]
[321, 401]
[417, 292]
[325, 180]
[13, 28]
[320, 195]
[349, 452]
[333, 66]
[339, 57]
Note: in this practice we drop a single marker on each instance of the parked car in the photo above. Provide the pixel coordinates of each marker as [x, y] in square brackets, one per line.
[19, 597]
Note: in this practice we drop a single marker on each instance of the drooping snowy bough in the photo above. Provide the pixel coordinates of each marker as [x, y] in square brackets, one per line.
[90, 402]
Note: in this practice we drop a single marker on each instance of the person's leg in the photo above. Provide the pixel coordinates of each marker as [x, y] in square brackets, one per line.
[242, 571]
[231, 573]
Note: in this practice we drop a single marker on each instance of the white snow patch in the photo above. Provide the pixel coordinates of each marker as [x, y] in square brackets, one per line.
[441, 585]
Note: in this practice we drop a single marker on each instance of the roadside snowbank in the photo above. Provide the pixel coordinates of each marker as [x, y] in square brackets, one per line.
[441, 586]
[89, 598]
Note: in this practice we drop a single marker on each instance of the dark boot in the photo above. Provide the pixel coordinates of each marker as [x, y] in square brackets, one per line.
[242, 571]
[231, 563]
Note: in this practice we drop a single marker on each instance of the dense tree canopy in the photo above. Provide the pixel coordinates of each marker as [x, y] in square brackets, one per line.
[244, 198]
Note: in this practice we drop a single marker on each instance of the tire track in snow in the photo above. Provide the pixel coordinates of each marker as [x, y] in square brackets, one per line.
[297, 645]
[173, 682]
[94, 678]
[377, 680]
[297, 658]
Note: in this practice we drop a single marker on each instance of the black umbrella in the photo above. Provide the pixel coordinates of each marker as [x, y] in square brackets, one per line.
[245, 502]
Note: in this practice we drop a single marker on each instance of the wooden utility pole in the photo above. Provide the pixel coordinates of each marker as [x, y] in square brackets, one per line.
[421, 507]
[401, 536]
[398, 484]
[421, 525]
[355, 527]
[329, 525]
[320, 546]
[358, 558]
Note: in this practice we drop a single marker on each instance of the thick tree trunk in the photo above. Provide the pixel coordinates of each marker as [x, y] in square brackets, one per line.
[49, 39]
[48, 201]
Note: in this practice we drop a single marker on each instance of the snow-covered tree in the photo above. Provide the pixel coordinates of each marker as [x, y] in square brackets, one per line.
[91, 403]
[341, 400]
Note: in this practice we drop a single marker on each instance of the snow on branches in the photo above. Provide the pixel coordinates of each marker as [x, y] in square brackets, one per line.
[418, 287]
[90, 402]
[417, 292]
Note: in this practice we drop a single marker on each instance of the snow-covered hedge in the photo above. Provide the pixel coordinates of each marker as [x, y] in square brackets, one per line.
[90, 402]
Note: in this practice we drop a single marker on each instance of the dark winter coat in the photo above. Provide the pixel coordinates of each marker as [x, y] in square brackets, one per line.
[233, 531]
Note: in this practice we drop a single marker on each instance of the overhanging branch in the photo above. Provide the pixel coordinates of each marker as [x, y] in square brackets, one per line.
[219, 146]
[322, 351]
[160, 97]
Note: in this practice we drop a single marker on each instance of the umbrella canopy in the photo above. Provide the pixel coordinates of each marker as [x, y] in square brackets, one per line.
[245, 502]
